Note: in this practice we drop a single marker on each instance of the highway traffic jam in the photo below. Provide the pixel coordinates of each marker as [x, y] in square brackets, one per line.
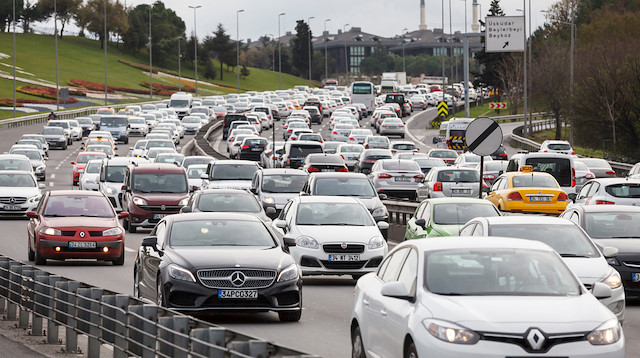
[536, 256]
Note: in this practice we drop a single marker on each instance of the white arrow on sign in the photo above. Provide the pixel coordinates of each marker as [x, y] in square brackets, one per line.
[484, 136]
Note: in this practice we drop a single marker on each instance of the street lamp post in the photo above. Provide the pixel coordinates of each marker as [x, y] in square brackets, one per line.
[309, 23]
[104, 3]
[326, 69]
[404, 69]
[150, 58]
[279, 64]
[442, 40]
[238, 50]
[179, 66]
[195, 44]
[273, 52]
[55, 36]
[14, 58]
[346, 58]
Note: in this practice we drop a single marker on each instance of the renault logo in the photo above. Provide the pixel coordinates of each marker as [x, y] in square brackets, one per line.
[238, 278]
[81, 233]
[12, 200]
[536, 339]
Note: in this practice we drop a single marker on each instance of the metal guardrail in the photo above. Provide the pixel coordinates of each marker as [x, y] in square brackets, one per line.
[400, 211]
[130, 326]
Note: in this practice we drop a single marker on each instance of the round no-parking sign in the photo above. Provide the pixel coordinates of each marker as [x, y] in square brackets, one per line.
[484, 136]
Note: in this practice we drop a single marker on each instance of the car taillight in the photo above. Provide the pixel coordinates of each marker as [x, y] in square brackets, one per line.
[341, 156]
[236, 145]
[384, 176]
[589, 176]
[368, 161]
[288, 161]
[604, 202]
[610, 172]
[334, 132]
[514, 196]
[245, 147]
[419, 176]
[415, 151]
[573, 177]
[366, 146]
[573, 152]
[393, 150]
[343, 170]
[437, 186]
[231, 139]
[401, 126]
[488, 177]
[563, 196]
[351, 138]
[313, 169]
[274, 158]
[545, 151]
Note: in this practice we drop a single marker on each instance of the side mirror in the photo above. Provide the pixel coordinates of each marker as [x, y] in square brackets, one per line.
[185, 209]
[601, 290]
[41, 186]
[421, 222]
[270, 210]
[204, 176]
[150, 241]
[32, 215]
[73, 162]
[609, 252]
[382, 225]
[280, 224]
[123, 215]
[395, 289]
[382, 196]
[573, 197]
[289, 241]
[130, 148]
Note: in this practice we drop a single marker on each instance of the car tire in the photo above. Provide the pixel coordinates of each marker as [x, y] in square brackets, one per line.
[65, 146]
[357, 347]
[161, 300]
[126, 141]
[37, 259]
[411, 351]
[136, 283]
[131, 228]
[74, 183]
[290, 316]
[31, 255]
[120, 260]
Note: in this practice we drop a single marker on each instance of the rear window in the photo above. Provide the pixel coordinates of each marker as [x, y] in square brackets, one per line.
[342, 186]
[404, 146]
[332, 159]
[378, 140]
[461, 176]
[457, 133]
[304, 150]
[232, 172]
[443, 154]
[523, 181]
[559, 146]
[401, 165]
[255, 142]
[560, 168]
[596, 163]
[460, 213]
[495, 165]
[623, 190]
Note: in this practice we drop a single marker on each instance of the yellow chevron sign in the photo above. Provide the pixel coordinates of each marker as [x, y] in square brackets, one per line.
[443, 109]
[457, 142]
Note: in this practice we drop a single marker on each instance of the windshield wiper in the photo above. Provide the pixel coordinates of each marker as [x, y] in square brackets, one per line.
[621, 237]
[573, 255]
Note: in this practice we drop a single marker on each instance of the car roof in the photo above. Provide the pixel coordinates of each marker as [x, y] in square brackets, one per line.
[607, 208]
[326, 199]
[467, 242]
[290, 171]
[517, 174]
[13, 156]
[337, 175]
[158, 167]
[212, 215]
[15, 172]
[545, 155]
[225, 191]
[527, 220]
[450, 200]
[234, 162]
[615, 180]
[75, 193]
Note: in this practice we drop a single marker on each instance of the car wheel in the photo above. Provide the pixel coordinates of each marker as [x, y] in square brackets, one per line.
[411, 351]
[160, 299]
[64, 147]
[74, 183]
[131, 228]
[357, 347]
[136, 284]
[290, 316]
[38, 260]
[126, 141]
[30, 253]
[120, 260]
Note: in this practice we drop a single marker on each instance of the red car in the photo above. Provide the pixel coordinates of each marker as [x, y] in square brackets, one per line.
[81, 162]
[75, 224]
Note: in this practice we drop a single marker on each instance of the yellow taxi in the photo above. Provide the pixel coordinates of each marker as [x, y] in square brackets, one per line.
[99, 140]
[528, 191]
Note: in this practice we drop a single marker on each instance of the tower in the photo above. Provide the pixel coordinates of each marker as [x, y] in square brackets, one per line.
[475, 25]
[422, 26]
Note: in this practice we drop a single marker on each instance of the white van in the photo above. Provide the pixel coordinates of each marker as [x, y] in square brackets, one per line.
[456, 134]
[561, 166]
[181, 103]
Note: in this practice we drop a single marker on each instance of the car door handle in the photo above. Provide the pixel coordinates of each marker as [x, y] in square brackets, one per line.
[383, 313]
[365, 302]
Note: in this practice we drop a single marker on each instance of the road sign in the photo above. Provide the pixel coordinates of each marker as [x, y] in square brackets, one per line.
[443, 109]
[504, 34]
[484, 136]
[498, 105]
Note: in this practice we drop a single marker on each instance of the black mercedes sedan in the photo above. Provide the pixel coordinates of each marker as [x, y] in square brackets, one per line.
[208, 262]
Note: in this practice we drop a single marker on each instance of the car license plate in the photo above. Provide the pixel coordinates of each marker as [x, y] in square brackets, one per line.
[12, 207]
[539, 198]
[635, 277]
[393, 127]
[327, 170]
[461, 191]
[256, 149]
[159, 216]
[344, 257]
[82, 244]
[402, 179]
[238, 294]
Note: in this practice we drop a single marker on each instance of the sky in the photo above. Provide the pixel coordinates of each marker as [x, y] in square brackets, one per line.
[384, 18]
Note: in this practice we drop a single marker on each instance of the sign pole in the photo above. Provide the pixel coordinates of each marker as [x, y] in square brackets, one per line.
[481, 172]
[466, 75]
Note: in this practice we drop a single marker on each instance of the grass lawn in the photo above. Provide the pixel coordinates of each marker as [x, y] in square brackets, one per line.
[483, 111]
[6, 90]
[551, 134]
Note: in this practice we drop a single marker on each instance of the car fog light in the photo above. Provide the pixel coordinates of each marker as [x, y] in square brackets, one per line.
[105, 249]
[57, 248]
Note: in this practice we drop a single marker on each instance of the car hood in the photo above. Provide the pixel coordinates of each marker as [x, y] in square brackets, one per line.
[519, 313]
[280, 198]
[80, 165]
[19, 192]
[329, 233]
[198, 257]
[75, 222]
[588, 269]
[162, 198]
[624, 246]
[229, 184]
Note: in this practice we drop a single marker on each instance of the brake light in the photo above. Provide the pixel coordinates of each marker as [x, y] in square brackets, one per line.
[610, 172]
[366, 146]
[604, 202]
[313, 169]
[245, 147]
[563, 197]
[514, 196]
[589, 176]
[288, 161]
[343, 170]
[545, 151]
[573, 177]
[488, 177]
[384, 176]
[368, 161]
[573, 152]
[274, 158]
[351, 138]
[419, 176]
[393, 150]
[236, 145]
[415, 151]
[437, 186]
[231, 139]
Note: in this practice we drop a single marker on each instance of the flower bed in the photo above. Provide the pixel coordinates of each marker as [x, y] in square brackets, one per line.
[145, 68]
[161, 87]
[45, 92]
[95, 86]
[8, 102]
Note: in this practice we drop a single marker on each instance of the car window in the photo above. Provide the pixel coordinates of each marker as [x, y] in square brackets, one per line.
[479, 230]
[623, 190]
[468, 230]
[228, 202]
[584, 191]
[409, 271]
[460, 213]
[160, 183]
[394, 265]
[594, 189]
[220, 232]
[541, 181]
[575, 217]
[160, 233]
[78, 206]
[565, 239]
[342, 186]
[619, 225]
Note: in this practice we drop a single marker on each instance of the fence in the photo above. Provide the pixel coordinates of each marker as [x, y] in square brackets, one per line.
[130, 326]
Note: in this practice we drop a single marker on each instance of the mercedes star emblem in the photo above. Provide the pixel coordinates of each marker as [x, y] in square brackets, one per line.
[238, 278]
[12, 200]
[81, 233]
[536, 339]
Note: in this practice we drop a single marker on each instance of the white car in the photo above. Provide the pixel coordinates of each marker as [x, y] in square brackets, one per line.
[332, 235]
[76, 130]
[138, 125]
[90, 178]
[191, 124]
[194, 175]
[357, 136]
[139, 149]
[19, 192]
[557, 146]
[340, 132]
[480, 297]
[350, 153]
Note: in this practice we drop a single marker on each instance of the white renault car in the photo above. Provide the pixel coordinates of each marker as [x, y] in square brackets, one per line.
[332, 235]
[480, 297]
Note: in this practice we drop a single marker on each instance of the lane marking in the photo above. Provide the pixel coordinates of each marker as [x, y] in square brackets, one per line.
[128, 249]
[52, 176]
[51, 184]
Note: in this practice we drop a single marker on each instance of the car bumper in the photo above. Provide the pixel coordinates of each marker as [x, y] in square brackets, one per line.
[140, 217]
[398, 131]
[114, 244]
[557, 208]
[57, 143]
[5, 209]
[140, 131]
[191, 129]
[316, 261]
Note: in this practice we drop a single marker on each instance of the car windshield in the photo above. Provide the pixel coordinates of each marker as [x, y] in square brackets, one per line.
[228, 202]
[443, 154]
[93, 167]
[458, 176]
[141, 144]
[623, 190]
[342, 186]
[191, 120]
[619, 225]
[113, 122]
[567, 240]
[31, 154]
[460, 213]
[194, 172]
[220, 232]
[160, 143]
[84, 158]
[351, 149]
[498, 272]
[137, 121]
[115, 173]
[179, 103]
[539, 181]
[343, 214]
[84, 120]
[304, 150]
[430, 163]
[160, 183]
[283, 183]
[15, 164]
[232, 172]
[16, 181]
[169, 158]
[100, 148]
[78, 205]
[559, 146]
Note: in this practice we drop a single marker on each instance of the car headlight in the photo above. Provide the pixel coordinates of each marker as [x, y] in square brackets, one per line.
[269, 200]
[376, 242]
[124, 131]
[289, 273]
[88, 180]
[450, 332]
[63, 138]
[80, 171]
[613, 280]
[608, 333]
[381, 211]
[33, 199]
[41, 168]
[307, 242]
[139, 201]
[180, 273]
[50, 231]
[110, 191]
[613, 261]
[183, 202]
[112, 232]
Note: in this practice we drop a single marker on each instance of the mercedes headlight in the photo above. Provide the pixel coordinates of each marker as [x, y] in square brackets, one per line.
[63, 138]
[269, 200]
[376, 242]
[34, 199]
[111, 191]
[450, 332]
[381, 211]
[112, 232]
[608, 333]
[41, 168]
[183, 202]
[139, 201]
[613, 280]
[180, 273]
[289, 273]
[307, 242]
[50, 231]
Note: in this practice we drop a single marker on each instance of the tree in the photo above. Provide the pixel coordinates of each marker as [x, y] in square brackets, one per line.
[220, 47]
[6, 13]
[90, 17]
[65, 10]
[244, 72]
[490, 61]
[510, 75]
[32, 12]
[300, 48]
